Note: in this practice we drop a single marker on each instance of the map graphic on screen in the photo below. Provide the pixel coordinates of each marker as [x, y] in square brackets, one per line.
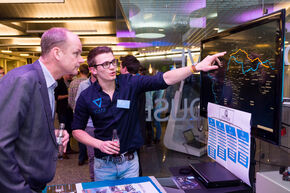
[251, 76]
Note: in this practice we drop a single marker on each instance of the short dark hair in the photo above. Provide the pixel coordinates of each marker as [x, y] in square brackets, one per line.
[97, 51]
[131, 63]
[53, 37]
[84, 69]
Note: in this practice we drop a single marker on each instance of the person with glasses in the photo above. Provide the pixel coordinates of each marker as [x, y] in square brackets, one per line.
[112, 103]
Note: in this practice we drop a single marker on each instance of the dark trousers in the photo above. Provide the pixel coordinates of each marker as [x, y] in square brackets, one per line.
[82, 152]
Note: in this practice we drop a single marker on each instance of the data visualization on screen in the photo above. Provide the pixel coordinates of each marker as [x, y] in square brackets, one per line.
[251, 76]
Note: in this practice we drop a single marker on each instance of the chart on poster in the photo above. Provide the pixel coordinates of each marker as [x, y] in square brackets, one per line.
[229, 139]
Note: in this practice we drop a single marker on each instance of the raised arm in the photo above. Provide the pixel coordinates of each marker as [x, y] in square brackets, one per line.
[177, 75]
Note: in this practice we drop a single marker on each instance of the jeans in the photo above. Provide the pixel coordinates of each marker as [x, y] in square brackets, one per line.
[82, 152]
[108, 170]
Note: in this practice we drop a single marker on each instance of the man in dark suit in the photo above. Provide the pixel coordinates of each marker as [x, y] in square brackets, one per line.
[28, 148]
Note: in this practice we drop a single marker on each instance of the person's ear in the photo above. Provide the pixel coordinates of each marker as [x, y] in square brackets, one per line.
[125, 69]
[57, 53]
[93, 70]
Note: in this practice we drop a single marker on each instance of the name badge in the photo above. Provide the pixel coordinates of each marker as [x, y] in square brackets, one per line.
[123, 104]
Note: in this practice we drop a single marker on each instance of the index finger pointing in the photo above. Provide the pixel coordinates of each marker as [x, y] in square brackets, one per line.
[219, 54]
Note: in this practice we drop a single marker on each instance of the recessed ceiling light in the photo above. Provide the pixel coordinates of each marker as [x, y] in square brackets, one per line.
[147, 16]
[212, 15]
[134, 44]
[216, 28]
[160, 29]
[6, 51]
[150, 35]
[125, 34]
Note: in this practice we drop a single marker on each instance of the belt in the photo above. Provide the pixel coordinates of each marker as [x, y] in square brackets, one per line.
[120, 158]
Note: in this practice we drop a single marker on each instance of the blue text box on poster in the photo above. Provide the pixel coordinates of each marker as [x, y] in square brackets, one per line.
[221, 152]
[211, 122]
[243, 159]
[211, 152]
[232, 155]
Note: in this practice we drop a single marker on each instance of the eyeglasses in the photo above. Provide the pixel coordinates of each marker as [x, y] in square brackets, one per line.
[108, 64]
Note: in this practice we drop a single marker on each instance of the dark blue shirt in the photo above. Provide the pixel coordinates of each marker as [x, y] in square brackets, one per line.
[107, 116]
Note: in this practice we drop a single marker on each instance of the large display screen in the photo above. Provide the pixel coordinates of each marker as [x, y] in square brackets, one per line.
[252, 73]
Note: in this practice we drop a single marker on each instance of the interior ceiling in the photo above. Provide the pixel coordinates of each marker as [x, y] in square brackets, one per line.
[21, 25]
[121, 23]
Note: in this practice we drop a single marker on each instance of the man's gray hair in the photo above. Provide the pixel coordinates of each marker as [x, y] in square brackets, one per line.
[52, 38]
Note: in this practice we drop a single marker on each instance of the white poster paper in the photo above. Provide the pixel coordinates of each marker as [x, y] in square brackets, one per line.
[229, 139]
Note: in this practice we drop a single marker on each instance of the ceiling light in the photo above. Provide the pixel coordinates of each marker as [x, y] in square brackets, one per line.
[147, 16]
[160, 29]
[197, 22]
[79, 32]
[212, 15]
[134, 44]
[31, 1]
[149, 24]
[6, 51]
[157, 47]
[57, 20]
[24, 54]
[216, 28]
[125, 34]
[120, 53]
[150, 35]
[150, 69]
[161, 43]
[191, 6]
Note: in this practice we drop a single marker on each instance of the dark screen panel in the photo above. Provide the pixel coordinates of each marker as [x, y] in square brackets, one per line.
[251, 77]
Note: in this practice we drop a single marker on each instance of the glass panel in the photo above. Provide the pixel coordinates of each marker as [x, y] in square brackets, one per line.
[158, 33]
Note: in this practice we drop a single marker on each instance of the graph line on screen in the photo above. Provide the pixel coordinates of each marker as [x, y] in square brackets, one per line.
[212, 87]
[265, 63]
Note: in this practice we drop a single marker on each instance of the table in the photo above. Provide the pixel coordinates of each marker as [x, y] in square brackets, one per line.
[236, 189]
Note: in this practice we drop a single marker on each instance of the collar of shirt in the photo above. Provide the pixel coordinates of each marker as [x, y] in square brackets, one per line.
[99, 88]
[90, 81]
[50, 82]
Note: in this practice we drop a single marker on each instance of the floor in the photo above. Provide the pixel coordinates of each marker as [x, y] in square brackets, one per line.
[157, 159]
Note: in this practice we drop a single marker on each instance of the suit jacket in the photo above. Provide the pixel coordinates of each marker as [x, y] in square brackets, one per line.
[28, 148]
